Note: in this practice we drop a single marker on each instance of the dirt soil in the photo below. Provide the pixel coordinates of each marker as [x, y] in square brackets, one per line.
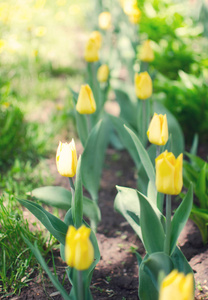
[116, 275]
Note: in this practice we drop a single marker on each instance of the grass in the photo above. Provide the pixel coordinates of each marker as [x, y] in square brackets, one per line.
[17, 263]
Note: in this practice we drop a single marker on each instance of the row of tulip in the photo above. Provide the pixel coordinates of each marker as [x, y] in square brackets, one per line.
[164, 272]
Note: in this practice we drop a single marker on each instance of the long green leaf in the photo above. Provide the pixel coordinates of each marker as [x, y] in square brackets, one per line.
[93, 157]
[152, 229]
[61, 198]
[143, 156]
[180, 262]
[128, 108]
[125, 138]
[202, 188]
[158, 265]
[147, 289]
[180, 217]
[54, 225]
[127, 204]
[53, 279]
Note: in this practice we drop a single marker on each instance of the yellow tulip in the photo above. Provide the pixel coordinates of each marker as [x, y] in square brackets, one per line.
[158, 130]
[97, 37]
[104, 20]
[79, 251]
[103, 73]
[91, 51]
[86, 102]
[135, 15]
[169, 179]
[143, 85]
[177, 286]
[66, 159]
[146, 53]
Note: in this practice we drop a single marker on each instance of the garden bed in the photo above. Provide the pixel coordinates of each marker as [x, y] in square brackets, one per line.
[116, 275]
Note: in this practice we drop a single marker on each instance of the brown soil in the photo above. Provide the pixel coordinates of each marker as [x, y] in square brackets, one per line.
[116, 275]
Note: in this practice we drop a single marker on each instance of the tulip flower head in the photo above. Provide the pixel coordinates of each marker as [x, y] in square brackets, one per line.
[103, 73]
[86, 102]
[79, 251]
[158, 130]
[66, 159]
[91, 53]
[177, 286]
[97, 37]
[104, 20]
[169, 178]
[135, 15]
[146, 53]
[131, 9]
[143, 85]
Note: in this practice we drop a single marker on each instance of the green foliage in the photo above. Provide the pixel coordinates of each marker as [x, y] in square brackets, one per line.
[93, 157]
[196, 171]
[12, 134]
[16, 261]
[186, 99]
[61, 198]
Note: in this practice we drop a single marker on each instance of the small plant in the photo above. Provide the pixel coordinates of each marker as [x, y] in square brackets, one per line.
[78, 244]
[196, 171]
[157, 232]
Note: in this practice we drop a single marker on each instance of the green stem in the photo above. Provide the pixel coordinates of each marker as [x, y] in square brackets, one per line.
[89, 125]
[73, 198]
[80, 290]
[144, 121]
[157, 151]
[168, 225]
[90, 75]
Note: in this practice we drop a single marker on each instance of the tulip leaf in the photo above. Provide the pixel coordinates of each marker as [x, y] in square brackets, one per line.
[147, 290]
[151, 226]
[127, 204]
[54, 225]
[42, 262]
[128, 107]
[201, 187]
[143, 156]
[177, 147]
[125, 138]
[180, 217]
[158, 265]
[61, 198]
[93, 157]
[180, 262]
[78, 197]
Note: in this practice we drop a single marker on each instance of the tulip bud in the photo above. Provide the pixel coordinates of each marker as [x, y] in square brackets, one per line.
[177, 286]
[104, 20]
[97, 37]
[66, 159]
[146, 53]
[86, 102]
[143, 85]
[169, 178]
[79, 251]
[91, 51]
[158, 130]
[103, 73]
